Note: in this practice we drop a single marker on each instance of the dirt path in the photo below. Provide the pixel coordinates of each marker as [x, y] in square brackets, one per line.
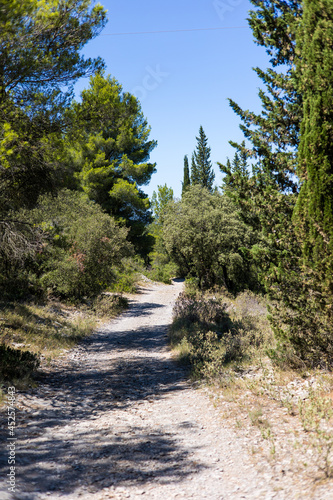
[117, 419]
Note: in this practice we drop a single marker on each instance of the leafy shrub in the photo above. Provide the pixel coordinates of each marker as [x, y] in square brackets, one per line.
[16, 364]
[205, 236]
[127, 275]
[212, 332]
[162, 271]
[110, 304]
[86, 246]
[200, 309]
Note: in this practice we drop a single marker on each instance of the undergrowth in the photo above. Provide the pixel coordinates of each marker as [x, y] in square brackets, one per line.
[215, 332]
[228, 342]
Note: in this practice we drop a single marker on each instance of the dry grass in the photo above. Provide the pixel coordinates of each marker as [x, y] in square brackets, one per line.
[52, 329]
[288, 411]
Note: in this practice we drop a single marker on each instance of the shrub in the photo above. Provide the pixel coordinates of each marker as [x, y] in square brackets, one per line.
[110, 305]
[16, 364]
[86, 246]
[217, 331]
[200, 309]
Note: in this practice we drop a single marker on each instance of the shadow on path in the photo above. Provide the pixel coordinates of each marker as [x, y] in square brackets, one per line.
[85, 430]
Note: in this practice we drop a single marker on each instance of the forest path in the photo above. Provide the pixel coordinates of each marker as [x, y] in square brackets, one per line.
[117, 418]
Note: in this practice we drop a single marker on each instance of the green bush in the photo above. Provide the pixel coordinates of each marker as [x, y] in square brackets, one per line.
[85, 246]
[16, 364]
[212, 332]
[127, 275]
[205, 236]
[161, 271]
[110, 305]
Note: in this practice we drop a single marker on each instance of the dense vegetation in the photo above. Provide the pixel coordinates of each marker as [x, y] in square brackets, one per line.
[75, 221]
[279, 185]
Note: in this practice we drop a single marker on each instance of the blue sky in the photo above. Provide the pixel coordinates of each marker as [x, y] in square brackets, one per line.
[183, 78]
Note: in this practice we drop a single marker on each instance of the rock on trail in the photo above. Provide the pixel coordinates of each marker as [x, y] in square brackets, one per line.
[117, 418]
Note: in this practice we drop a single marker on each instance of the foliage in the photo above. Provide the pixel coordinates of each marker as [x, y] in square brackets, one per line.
[213, 332]
[111, 135]
[40, 61]
[197, 308]
[15, 364]
[201, 166]
[159, 202]
[41, 43]
[186, 177]
[313, 215]
[289, 150]
[110, 305]
[161, 268]
[40, 54]
[84, 248]
[207, 239]
[127, 275]
[314, 210]
[236, 184]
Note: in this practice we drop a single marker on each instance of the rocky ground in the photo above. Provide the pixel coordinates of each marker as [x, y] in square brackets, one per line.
[117, 418]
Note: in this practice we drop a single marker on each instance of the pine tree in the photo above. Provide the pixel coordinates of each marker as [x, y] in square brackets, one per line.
[112, 140]
[274, 133]
[236, 184]
[201, 169]
[40, 53]
[236, 173]
[186, 179]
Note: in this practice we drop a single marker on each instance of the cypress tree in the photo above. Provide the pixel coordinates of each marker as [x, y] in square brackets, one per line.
[314, 210]
[195, 179]
[186, 179]
[290, 190]
[201, 171]
[313, 214]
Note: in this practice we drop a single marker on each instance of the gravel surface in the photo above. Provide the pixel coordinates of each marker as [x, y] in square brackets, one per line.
[117, 418]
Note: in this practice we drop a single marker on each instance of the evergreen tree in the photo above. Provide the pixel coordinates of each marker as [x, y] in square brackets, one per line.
[274, 133]
[40, 61]
[40, 53]
[236, 183]
[294, 251]
[186, 179]
[314, 209]
[236, 173]
[41, 43]
[194, 172]
[113, 147]
[201, 170]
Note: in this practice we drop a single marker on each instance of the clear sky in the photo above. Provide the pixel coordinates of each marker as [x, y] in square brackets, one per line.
[182, 78]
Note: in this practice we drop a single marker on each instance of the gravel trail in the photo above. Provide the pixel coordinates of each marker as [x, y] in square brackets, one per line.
[117, 418]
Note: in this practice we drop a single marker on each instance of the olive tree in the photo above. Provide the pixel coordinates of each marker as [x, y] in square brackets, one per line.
[205, 236]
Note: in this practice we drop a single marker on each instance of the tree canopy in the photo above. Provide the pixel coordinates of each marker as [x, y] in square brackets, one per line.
[111, 138]
[204, 234]
[40, 61]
